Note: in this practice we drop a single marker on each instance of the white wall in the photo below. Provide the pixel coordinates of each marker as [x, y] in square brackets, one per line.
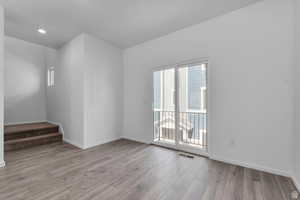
[103, 92]
[87, 96]
[25, 81]
[52, 60]
[297, 96]
[65, 99]
[1, 85]
[251, 86]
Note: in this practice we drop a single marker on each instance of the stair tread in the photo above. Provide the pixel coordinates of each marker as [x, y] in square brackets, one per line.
[32, 138]
[19, 128]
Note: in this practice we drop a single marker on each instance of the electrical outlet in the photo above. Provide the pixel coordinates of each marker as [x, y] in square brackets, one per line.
[294, 195]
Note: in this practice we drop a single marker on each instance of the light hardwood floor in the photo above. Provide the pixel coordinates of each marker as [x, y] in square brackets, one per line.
[126, 170]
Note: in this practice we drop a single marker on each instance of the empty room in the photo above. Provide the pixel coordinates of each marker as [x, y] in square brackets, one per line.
[149, 100]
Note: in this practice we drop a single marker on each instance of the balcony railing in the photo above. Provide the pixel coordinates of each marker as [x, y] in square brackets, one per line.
[191, 127]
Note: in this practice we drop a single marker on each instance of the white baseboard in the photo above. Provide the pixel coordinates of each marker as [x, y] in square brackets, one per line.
[89, 146]
[101, 142]
[135, 140]
[24, 122]
[296, 183]
[238, 163]
[252, 166]
[74, 143]
[2, 164]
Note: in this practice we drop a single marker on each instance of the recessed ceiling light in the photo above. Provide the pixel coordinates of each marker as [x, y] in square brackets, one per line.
[42, 31]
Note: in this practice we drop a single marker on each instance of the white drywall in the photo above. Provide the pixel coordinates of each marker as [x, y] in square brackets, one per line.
[250, 80]
[297, 96]
[1, 86]
[25, 81]
[87, 95]
[52, 60]
[65, 98]
[103, 92]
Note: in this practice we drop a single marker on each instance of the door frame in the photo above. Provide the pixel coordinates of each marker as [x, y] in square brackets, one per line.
[183, 147]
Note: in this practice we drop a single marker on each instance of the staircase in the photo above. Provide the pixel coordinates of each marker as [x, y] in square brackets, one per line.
[27, 135]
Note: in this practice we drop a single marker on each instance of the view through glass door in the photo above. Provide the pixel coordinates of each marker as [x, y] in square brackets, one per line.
[180, 107]
[164, 106]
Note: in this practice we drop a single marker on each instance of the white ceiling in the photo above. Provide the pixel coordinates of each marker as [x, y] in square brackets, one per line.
[122, 22]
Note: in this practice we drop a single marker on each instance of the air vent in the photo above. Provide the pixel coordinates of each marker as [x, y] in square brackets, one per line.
[186, 155]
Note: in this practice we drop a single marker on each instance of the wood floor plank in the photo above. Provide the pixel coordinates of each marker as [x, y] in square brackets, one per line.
[126, 170]
[248, 185]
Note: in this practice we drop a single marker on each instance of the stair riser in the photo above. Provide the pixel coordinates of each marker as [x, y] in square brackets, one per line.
[11, 147]
[26, 134]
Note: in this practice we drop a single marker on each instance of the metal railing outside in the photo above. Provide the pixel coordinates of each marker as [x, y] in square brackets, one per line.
[191, 127]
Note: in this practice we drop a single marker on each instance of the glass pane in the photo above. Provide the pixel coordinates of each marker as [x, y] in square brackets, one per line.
[157, 90]
[164, 105]
[192, 105]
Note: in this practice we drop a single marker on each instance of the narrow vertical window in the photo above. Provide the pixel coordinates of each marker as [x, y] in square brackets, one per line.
[50, 77]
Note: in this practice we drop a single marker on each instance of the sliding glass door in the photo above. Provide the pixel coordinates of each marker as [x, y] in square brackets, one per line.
[180, 107]
[192, 110]
[164, 106]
